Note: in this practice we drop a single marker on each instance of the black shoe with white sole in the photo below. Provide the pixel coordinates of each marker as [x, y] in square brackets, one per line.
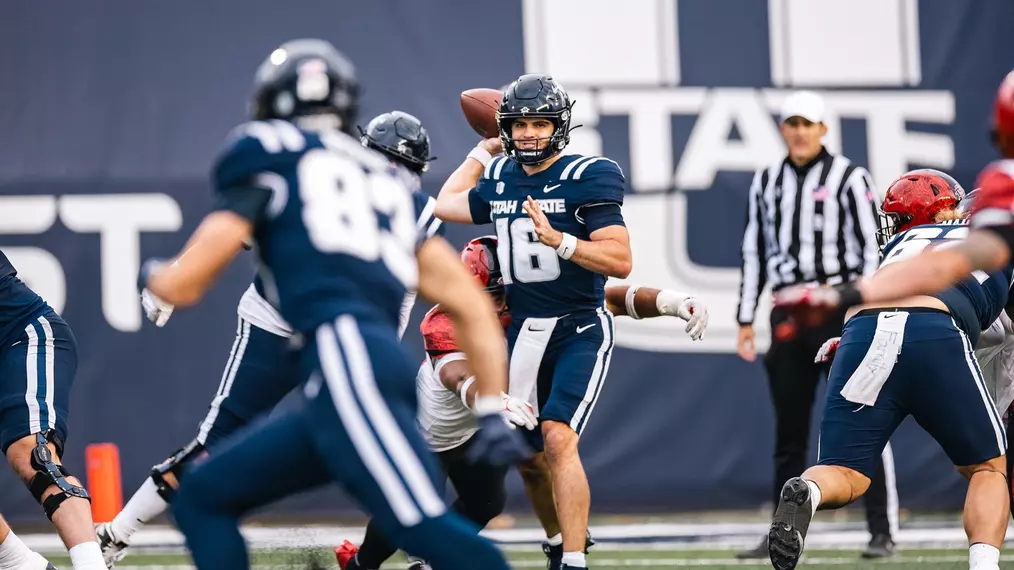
[881, 546]
[788, 529]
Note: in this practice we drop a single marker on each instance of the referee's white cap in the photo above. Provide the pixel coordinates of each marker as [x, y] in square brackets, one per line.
[805, 104]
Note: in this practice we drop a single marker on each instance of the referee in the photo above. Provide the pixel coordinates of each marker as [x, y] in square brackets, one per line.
[811, 219]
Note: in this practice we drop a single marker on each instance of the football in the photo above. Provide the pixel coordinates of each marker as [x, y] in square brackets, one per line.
[480, 107]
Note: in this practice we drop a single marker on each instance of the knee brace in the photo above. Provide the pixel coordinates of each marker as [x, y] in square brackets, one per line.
[49, 473]
[175, 464]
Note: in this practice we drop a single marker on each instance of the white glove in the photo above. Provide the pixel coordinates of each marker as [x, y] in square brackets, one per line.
[695, 313]
[157, 310]
[517, 413]
[826, 351]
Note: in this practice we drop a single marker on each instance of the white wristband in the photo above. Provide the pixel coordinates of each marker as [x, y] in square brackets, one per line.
[486, 405]
[628, 299]
[668, 302]
[463, 391]
[480, 155]
[567, 247]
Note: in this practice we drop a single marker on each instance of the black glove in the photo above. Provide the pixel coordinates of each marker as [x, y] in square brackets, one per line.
[497, 444]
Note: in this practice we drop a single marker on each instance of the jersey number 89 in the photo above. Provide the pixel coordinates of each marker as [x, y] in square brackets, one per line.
[340, 206]
[918, 239]
[534, 261]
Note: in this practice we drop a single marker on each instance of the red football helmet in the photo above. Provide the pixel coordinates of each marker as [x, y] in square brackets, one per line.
[1003, 117]
[915, 199]
[479, 256]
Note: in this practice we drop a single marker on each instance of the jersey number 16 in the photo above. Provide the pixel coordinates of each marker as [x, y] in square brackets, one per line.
[533, 261]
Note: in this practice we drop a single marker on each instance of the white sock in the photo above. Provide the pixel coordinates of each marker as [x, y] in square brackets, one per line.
[575, 559]
[87, 556]
[555, 540]
[814, 495]
[14, 555]
[145, 505]
[983, 557]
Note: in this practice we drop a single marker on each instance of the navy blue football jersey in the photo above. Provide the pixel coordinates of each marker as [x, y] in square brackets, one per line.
[540, 283]
[337, 234]
[18, 303]
[975, 302]
[426, 222]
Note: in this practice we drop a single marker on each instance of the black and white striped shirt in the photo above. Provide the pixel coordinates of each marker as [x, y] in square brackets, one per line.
[812, 224]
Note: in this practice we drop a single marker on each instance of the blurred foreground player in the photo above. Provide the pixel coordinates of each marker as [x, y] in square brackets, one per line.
[447, 391]
[262, 367]
[334, 228]
[910, 356]
[38, 360]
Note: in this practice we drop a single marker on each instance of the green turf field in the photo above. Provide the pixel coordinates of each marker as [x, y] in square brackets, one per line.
[600, 559]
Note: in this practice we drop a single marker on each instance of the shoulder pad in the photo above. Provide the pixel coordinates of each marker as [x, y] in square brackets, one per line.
[586, 168]
[426, 222]
[255, 147]
[890, 244]
[601, 180]
[438, 332]
[497, 167]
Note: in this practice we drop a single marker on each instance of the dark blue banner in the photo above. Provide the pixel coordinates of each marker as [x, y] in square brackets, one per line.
[112, 111]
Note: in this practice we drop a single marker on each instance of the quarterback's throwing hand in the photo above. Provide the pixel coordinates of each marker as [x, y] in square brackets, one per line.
[543, 230]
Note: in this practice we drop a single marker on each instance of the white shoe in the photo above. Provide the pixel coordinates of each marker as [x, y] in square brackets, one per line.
[113, 550]
[418, 564]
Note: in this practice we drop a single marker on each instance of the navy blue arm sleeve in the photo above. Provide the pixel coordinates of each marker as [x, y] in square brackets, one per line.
[247, 202]
[478, 207]
[600, 216]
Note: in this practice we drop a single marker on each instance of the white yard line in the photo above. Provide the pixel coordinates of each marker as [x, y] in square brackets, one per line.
[655, 536]
[647, 563]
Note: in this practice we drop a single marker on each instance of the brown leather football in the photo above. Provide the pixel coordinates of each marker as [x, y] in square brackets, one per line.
[480, 107]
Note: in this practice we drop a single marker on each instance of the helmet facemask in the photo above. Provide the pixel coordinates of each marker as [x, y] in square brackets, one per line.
[888, 225]
[555, 143]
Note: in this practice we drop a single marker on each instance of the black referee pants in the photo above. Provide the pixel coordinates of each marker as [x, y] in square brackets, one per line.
[793, 378]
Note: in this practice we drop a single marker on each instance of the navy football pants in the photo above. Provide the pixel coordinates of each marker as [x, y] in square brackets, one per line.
[356, 427]
[36, 374]
[935, 379]
[260, 371]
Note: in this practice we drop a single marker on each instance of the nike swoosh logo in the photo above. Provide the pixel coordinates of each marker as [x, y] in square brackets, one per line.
[584, 328]
[536, 330]
[547, 188]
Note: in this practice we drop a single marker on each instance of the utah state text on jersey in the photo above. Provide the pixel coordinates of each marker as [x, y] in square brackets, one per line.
[539, 283]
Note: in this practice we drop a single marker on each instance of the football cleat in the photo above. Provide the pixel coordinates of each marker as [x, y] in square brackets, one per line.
[881, 546]
[346, 554]
[113, 550]
[788, 529]
[418, 564]
[554, 552]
